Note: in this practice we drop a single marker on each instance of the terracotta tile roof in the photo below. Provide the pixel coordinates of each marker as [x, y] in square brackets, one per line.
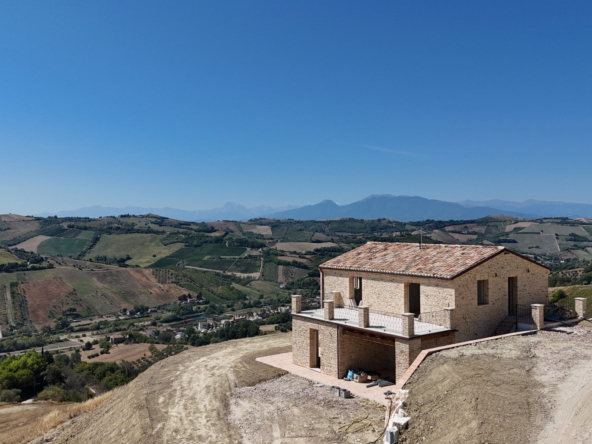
[438, 261]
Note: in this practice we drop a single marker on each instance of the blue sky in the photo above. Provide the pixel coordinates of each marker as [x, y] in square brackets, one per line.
[191, 104]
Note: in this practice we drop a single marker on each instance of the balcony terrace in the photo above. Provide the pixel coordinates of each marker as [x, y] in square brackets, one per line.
[403, 325]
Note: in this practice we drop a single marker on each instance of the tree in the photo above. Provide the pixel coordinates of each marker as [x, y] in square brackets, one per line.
[75, 358]
[88, 345]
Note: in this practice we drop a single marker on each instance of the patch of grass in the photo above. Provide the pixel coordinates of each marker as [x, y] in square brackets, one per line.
[219, 265]
[194, 256]
[166, 262]
[270, 272]
[248, 291]
[6, 257]
[77, 234]
[246, 266]
[58, 245]
[294, 235]
[144, 249]
[279, 231]
[205, 294]
[588, 229]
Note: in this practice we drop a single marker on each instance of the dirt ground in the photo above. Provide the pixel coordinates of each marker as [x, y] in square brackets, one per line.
[292, 409]
[189, 398]
[32, 244]
[16, 419]
[41, 296]
[522, 389]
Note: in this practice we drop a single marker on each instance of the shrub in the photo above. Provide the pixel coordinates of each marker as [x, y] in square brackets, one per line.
[13, 395]
[557, 296]
[58, 394]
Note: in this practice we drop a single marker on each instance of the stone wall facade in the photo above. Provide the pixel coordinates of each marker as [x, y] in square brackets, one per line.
[474, 321]
[366, 355]
[340, 351]
[389, 293]
[328, 348]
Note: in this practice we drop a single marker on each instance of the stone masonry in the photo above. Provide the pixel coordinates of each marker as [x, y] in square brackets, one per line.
[452, 303]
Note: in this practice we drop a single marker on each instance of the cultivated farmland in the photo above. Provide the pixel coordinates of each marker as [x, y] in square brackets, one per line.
[32, 244]
[144, 249]
[302, 247]
[59, 246]
[193, 256]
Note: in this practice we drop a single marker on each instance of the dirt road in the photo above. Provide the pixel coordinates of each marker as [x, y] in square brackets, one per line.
[526, 389]
[220, 394]
[181, 400]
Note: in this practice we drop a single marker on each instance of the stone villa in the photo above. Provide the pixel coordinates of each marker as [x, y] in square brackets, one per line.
[385, 302]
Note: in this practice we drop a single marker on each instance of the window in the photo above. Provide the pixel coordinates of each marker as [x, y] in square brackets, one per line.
[483, 292]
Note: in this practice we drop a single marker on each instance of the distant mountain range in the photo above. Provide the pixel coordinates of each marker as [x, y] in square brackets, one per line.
[230, 211]
[400, 208]
[539, 207]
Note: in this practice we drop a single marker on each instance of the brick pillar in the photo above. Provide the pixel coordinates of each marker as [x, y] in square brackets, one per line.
[406, 350]
[363, 316]
[449, 318]
[338, 299]
[408, 327]
[329, 310]
[296, 303]
[538, 315]
[580, 307]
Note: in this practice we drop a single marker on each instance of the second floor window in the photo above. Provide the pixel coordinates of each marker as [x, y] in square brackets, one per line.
[483, 292]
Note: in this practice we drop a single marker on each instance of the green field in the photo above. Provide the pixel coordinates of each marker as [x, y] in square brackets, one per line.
[294, 235]
[533, 243]
[270, 272]
[144, 249]
[6, 257]
[194, 256]
[248, 291]
[206, 294]
[246, 266]
[218, 265]
[588, 229]
[562, 230]
[77, 234]
[65, 247]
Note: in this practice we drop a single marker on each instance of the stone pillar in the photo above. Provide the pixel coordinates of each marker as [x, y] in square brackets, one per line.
[338, 299]
[296, 303]
[363, 316]
[538, 315]
[329, 310]
[580, 307]
[449, 318]
[408, 326]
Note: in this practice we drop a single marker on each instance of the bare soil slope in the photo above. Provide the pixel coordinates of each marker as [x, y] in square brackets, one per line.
[220, 394]
[32, 244]
[526, 389]
[49, 292]
[182, 400]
